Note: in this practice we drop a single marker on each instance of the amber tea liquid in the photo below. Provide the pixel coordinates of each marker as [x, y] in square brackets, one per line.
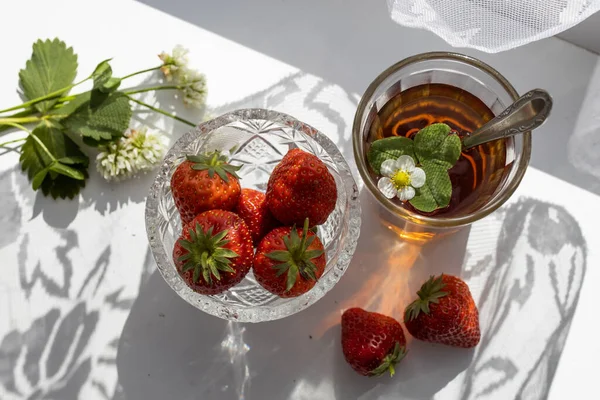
[478, 171]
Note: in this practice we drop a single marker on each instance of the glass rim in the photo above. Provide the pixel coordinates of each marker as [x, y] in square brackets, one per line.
[357, 139]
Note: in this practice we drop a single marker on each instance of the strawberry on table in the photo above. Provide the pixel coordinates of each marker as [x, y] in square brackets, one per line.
[253, 209]
[289, 261]
[205, 182]
[214, 252]
[301, 187]
[444, 312]
[372, 343]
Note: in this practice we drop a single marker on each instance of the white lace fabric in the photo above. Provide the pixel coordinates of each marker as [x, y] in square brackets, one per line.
[492, 25]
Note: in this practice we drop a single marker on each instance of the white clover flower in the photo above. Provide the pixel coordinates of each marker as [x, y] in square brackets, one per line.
[193, 83]
[400, 178]
[175, 65]
[137, 151]
[194, 92]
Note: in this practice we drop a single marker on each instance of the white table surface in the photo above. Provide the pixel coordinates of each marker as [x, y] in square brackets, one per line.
[84, 314]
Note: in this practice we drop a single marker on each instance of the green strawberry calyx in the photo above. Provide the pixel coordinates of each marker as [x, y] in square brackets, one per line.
[430, 292]
[214, 163]
[390, 361]
[206, 255]
[297, 258]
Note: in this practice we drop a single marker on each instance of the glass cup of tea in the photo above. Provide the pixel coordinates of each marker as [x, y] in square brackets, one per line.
[464, 93]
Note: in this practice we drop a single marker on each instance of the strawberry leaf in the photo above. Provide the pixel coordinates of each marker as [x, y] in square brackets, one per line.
[279, 255]
[52, 67]
[206, 255]
[390, 361]
[104, 84]
[62, 172]
[430, 292]
[296, 258]
[291, 277]
[96, 123]
[66, 171]
[281, 268]
[102, 76]
[310, 254]
[37, 180]
[214, 162]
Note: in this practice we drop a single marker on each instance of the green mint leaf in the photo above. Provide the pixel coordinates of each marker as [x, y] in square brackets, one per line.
[434, 143]
[55, 178]
[389, 148]
[423, 200]
[437, 151]
[437, 190]
[97, 123]
[52, 67]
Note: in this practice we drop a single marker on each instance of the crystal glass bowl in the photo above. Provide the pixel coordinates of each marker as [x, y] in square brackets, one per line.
[257, 139]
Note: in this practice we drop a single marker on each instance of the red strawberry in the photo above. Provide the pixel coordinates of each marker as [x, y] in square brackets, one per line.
[204, 182]
[301, 187]
[289, 261]
[444, 313]
[214, 252]
[372, 343]
[255, 213]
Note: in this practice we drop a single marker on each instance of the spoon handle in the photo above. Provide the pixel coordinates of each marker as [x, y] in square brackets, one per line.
[525, 114]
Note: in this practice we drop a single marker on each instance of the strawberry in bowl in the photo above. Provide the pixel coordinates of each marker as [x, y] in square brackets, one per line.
[301, 187]
[252, 208]
[214, 251]
[205, 182]
[247, 147]
[289, 261]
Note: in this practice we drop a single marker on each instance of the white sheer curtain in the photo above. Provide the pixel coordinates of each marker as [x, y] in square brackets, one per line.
[492, 25]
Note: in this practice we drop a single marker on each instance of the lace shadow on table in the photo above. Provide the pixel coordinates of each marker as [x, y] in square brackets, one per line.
[532, 285]
[51, 359]
[168, 348]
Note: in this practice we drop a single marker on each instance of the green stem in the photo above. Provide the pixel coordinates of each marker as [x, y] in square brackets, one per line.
[141, 72]
[37, 139]
[128, 92]
[19, 120]
[48, 96]
[67, 98]
[24, 113]
[150, 89]
[163, 112]
[57, 93]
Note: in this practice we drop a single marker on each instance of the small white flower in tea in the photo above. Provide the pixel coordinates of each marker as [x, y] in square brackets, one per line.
[137, 151]
[400, 178]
